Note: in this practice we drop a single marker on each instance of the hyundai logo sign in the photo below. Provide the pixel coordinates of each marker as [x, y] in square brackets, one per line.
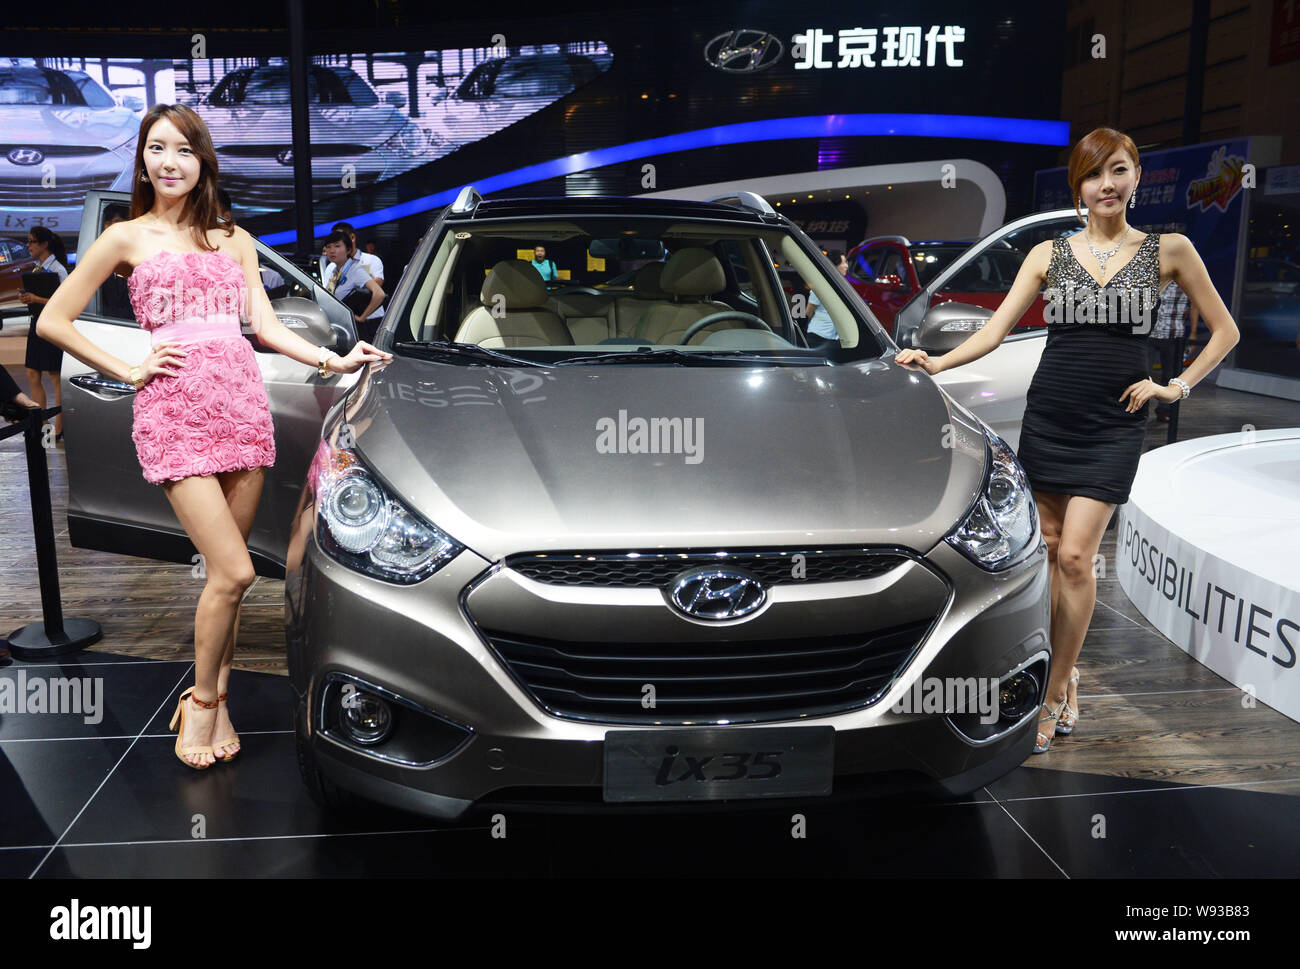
[25, 156]
[716, 594]
[284, 156]
[743, 51]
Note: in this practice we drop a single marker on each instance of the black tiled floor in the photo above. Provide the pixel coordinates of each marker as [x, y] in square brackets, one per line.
[46, 783]
[130, 693]
[113, 805]
[1208, 832]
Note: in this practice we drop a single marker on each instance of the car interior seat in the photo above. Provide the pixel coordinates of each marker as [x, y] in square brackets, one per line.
[520, 317]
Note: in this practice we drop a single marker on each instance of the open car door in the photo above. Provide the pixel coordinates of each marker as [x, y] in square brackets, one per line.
[111, 507]
[994, 386]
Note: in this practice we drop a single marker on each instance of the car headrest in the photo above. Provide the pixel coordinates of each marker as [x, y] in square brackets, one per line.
[646, 283]
[518, 282]
[693, 272]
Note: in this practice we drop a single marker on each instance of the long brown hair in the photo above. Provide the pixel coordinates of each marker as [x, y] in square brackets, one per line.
[201, 205]
[1091, 153]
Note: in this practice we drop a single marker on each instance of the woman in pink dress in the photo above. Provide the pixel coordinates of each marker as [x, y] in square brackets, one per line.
[202, 427]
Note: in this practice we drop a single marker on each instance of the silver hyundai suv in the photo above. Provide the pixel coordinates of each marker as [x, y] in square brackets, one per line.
[610, 544]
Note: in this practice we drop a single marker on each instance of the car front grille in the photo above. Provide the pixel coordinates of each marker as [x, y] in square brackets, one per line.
[30, 193]
[250, 190]
[705, 682]
[657, 569]
[318, 150]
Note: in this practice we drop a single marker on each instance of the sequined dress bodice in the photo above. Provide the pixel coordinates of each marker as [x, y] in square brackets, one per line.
[1125, 305]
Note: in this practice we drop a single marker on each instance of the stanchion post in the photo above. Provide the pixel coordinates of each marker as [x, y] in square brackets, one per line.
[54, 636]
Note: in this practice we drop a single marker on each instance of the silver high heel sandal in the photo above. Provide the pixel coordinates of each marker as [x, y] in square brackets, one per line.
[1070, 716]
[1046, 744]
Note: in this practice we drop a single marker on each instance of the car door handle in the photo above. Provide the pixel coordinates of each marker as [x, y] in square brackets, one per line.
[97, 383]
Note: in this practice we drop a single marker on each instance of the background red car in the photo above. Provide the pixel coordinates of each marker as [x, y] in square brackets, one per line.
[14, 261]
[887, 271]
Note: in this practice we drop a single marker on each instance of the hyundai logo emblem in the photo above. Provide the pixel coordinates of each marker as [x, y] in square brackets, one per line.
[25, 156]
[284, 156]
[743, 51]
[716, 594]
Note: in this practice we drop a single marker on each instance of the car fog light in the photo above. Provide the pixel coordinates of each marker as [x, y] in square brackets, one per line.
[1017, 695]
[366, 718]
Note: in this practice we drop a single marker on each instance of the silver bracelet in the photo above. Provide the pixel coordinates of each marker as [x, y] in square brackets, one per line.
[1182, 384]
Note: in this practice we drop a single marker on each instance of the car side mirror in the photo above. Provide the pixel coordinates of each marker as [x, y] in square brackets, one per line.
[947, 325]
[303, 317]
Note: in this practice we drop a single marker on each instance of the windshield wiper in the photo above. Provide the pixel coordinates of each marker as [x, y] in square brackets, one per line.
[666, 353]
[469, 352]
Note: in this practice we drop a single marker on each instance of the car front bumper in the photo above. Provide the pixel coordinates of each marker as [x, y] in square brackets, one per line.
[422, 644]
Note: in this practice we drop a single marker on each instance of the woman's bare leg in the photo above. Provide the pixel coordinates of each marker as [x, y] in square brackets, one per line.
[36, 388]
[243, 490]
[200, 504]
[1084, 525]
[1051, 519]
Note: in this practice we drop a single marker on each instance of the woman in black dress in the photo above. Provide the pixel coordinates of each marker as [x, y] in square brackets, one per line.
[1085, 411]
[43, 357]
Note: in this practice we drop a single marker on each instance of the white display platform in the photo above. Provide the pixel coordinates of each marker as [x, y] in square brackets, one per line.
[1209, 552]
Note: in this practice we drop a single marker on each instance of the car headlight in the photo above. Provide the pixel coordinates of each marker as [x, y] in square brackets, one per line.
[410, 139]
[1001, 528]
[361, 525]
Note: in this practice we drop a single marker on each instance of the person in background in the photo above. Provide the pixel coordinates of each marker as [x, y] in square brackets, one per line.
[347, 276]
[543, 265]
[371, 248]
[43, 357]
[1169, 326]
[821, 328]
[10, 394]
[372, 264]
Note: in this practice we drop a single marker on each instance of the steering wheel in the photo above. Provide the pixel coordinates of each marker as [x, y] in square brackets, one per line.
[585, 290]
[747, 318]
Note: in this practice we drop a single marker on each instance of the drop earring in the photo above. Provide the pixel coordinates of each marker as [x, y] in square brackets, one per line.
[1133, 199]
[144, 177]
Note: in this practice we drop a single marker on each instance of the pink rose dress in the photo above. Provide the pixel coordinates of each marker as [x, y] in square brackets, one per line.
[214, 416]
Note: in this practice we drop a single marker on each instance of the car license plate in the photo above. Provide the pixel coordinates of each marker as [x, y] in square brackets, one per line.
[718, 763]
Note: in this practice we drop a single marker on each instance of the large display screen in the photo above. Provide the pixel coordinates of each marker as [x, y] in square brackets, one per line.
[70, 124]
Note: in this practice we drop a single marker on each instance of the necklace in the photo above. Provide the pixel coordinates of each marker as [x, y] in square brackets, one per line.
[1102, 257]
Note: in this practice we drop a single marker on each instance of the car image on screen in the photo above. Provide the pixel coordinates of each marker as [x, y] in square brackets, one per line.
[503, 90]
[63, 135]
[357, 136]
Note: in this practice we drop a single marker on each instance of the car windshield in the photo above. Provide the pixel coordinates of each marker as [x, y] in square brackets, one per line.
[655, 290]
[270, 85]
[30, 85]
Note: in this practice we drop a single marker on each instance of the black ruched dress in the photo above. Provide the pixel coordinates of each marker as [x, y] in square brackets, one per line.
[1076, 437]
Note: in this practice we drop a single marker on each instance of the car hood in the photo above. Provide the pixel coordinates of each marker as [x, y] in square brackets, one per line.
[512, 460]
[47, 124]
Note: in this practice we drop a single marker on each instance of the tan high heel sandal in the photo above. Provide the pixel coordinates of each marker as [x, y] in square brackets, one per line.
[179, 716]
[221, 698]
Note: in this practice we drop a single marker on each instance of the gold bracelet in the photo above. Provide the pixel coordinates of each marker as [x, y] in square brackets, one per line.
[137, 378]
[321, 368]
